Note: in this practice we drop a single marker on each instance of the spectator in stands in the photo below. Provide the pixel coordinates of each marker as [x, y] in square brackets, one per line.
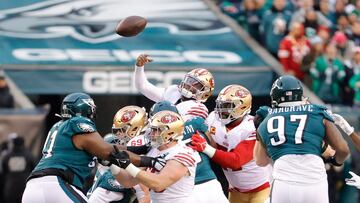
[6, 99]
[324, 34]
[327, 75]
[292, 50]
[352, 67]
[274, 26]
[355, 37]
[250, 18]
[342, 44]
[343, 25]
[17, 163]
[317, 47]
[326, 11]
[354, 83]
[339, 8]
[299, 15]
[311, 23]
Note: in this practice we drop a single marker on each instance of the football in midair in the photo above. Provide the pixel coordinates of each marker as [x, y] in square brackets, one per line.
[131, 26]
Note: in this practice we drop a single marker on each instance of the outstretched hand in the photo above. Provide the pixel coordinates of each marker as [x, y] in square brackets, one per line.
[354, 180]
[143, 59]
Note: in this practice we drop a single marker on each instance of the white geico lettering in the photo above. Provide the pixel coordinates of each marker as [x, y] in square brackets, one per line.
[106, 55]
[123, 82]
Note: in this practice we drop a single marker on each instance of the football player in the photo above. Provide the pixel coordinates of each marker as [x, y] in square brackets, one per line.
[175, 181]
[105, 187]
[291, 135]
[128, 122]
[196, 87]
[233, 130]
[205, 178]
[355, 138]
[68, 153]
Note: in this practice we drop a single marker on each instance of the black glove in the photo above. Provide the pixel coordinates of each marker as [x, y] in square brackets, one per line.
[119, 158]
[152, 162]
[104, 162]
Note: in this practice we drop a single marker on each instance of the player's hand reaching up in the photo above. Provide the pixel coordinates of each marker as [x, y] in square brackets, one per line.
[199, 144]
[142, 60]
[354, 180]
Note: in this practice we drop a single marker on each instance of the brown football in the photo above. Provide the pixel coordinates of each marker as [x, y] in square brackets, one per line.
[131, 26]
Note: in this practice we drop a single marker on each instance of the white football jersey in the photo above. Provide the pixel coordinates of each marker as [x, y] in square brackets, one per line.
[250, 176]
[172, 94]
[192, 108]
[180, 191]
[139, 140]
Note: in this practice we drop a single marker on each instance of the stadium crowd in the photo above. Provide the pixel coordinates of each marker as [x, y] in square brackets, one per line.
[318, 41]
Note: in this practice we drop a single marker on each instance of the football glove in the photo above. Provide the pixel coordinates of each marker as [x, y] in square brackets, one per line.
[199, 144]
[343, 124]
[353, 181]
[119, 158]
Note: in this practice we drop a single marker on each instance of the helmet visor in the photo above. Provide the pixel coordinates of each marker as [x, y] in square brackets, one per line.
[155, 135]
[224, 109]
[192, 84]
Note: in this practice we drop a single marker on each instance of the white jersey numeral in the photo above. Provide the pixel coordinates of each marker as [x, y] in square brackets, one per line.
[48, 147]
[279, 128]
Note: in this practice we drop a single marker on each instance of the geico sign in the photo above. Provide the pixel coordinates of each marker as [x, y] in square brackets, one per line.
[105, 55]
[123, 82]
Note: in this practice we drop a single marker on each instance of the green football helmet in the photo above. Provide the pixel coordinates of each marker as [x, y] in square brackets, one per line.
[78, 104]
[162, 106]
[286, 89]
[111, 139]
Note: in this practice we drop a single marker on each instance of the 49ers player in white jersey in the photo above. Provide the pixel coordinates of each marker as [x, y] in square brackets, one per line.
[233, 130]
[196, 87]
[175, 181]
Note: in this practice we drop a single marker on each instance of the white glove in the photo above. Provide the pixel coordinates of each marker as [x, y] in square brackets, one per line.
[343, 124]
[354, 180]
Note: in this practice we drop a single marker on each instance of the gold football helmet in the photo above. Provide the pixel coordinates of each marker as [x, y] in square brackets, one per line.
[197, 84]
[165, 126]
[233, 102]
[128, 122]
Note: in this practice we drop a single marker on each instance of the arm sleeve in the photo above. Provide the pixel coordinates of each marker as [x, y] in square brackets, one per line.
[138, 149]
[235, 159]
[145, 87]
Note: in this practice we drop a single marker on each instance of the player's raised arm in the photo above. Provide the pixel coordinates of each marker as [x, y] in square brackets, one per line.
[336, 141]
[348, 129]
[141, 82]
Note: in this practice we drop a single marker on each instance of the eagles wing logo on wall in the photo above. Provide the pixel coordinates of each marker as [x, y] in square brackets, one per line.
[94, 21]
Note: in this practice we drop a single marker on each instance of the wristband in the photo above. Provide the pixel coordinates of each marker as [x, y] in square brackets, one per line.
[209, 150]
[132, 170]
[333, 161]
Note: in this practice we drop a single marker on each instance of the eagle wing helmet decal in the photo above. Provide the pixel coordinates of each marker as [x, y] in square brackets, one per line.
[94, 21]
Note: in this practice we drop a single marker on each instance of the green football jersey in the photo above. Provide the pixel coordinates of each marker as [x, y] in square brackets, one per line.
[294, 130]
[108, 182]
[59, 151]
[203, 169]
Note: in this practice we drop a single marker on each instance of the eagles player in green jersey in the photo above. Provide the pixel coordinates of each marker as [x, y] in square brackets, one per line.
[291, 135]
[105, 187]
[68, 154]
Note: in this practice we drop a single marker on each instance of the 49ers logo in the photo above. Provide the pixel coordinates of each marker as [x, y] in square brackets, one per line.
[200, 71]
[242, 93]
[127, 116]
[168, 119]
